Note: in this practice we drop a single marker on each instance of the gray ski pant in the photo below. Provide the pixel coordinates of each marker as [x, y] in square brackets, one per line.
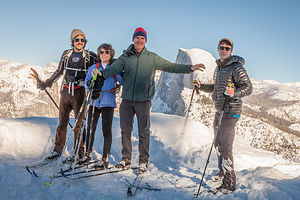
[224, 144]
[128, 109]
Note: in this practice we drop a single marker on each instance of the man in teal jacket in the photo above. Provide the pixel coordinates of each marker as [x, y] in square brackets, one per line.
[139, 66]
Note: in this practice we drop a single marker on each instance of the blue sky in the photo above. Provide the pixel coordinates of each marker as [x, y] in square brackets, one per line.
[265, 32]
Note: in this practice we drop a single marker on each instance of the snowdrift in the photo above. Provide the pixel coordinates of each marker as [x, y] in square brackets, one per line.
[175, 167]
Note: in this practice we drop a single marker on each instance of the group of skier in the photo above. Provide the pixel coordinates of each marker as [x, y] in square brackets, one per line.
[99, 76]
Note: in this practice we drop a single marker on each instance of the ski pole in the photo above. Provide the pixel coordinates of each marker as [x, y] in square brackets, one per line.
[36, 76]
[80, 138]
[84, 113]
[60, 162]
[89, 140]
[211, 147]
[86, 100]
[188, 110]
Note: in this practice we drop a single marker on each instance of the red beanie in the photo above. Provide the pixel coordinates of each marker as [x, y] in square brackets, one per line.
[139, 32]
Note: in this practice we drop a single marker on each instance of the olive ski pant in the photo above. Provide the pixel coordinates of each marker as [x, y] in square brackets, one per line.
[66, 105]
[128, 109]
[224, 137]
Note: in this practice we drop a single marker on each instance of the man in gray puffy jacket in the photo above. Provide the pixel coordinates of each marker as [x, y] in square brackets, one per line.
[231, 82]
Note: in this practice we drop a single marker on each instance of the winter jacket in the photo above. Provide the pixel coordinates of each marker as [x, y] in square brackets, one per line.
[139, 72]
[89, 57]
[231, 71]
[106, 99]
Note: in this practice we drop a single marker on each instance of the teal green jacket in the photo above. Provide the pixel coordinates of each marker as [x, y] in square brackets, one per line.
[139, 72]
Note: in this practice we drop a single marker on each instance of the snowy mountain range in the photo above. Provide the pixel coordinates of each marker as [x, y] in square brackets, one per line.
[266, 148]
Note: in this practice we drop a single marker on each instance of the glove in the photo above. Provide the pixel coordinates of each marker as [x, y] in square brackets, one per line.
[96, 94]
[229, 92]
[97, 87]
[44, 84]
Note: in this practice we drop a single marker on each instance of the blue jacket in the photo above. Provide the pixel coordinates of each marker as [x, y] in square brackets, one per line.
[107, 98]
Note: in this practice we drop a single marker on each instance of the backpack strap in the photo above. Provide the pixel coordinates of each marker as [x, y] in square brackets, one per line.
[69, 53]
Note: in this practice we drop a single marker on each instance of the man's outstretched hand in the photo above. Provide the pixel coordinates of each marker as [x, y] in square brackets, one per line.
[200, 67]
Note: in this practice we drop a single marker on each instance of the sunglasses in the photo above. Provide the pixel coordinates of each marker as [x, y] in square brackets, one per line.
[102, 52]
[226, 48]
[81, 40]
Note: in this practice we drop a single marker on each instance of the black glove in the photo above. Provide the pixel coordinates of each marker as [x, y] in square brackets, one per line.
[96, 94]
[44, 84]
[98, 83]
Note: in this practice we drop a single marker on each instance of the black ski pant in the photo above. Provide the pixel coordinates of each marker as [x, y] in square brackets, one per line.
[66, 105]
[107, 114]
[224, 137]
[128, 109]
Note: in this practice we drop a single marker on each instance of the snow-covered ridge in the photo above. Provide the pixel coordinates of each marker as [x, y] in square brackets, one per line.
[19, 94]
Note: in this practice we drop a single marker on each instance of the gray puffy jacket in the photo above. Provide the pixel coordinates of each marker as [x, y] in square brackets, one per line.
[232, 72]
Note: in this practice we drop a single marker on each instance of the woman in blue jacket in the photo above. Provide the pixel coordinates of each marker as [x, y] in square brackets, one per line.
[105, 104]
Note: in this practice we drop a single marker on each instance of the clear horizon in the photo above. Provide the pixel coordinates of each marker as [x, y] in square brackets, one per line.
[265, 33]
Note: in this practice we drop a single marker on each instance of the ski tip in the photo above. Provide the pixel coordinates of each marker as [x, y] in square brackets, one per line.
[48, 184]
[129, 192]
[27, 169]
[34, 173]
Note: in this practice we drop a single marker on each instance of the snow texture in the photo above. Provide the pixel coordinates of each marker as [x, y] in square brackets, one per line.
[173, 168]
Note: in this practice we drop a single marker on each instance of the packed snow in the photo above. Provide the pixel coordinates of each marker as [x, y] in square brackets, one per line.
[175, 167]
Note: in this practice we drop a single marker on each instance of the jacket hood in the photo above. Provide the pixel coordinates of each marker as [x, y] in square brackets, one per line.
[231, 60]
[131, 51]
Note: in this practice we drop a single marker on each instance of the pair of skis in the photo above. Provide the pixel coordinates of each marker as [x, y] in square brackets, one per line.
[31, 168]
[136, 185]
[39, 164]
[89, 172]
[131, 186]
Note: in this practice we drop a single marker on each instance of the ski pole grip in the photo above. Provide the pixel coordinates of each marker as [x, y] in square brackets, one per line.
[226, 98]
[196, 83]
[95, 77]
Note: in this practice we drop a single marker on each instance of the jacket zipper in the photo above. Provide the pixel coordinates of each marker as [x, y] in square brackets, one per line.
[218, 80]
[137, 63]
